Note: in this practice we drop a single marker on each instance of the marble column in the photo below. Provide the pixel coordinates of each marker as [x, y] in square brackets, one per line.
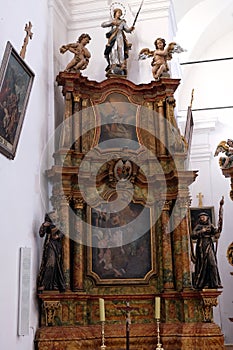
[64, 219]
[168, 282]
[181, 245]
[77, 122]
[78, 248]
[162, 130]
[66, 131]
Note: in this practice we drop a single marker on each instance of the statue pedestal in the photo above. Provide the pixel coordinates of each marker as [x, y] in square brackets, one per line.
[209, 299]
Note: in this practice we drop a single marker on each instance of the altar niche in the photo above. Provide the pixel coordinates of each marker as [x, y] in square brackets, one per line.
[119, 252]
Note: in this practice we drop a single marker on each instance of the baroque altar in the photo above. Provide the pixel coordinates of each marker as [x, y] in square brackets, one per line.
[121, 190]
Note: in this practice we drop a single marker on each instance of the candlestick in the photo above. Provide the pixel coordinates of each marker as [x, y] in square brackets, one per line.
[159, 346]
[102, 311]
[157, 307]
[103, 346]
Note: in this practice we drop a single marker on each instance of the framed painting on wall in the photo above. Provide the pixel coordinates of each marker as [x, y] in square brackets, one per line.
[16, 80]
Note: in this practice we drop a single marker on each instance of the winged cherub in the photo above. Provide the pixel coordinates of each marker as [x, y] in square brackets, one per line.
[160, 55]
[227, 148]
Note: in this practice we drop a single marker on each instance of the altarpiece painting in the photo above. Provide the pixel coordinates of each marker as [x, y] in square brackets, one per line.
[117, 253]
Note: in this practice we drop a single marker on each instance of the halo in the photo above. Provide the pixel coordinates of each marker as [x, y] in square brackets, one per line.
[117, 5]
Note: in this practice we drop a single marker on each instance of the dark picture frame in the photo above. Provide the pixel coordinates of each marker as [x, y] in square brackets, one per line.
[16, 80]
[196, 211]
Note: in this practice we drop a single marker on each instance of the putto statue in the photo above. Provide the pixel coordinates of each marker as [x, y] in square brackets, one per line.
[160, 55]
[81, 53]
[117, 48]
[227, 148]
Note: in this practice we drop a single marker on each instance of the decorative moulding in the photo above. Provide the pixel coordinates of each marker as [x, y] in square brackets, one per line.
[201, 153]
[204, 124]
[89, 14]
[62, 9]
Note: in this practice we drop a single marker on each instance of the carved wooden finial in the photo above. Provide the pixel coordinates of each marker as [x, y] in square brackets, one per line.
[200, 199]
[29, 34]
[191, 102]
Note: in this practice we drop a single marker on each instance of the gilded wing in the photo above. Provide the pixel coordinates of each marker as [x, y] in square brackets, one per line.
[145, 53]
[221, 148]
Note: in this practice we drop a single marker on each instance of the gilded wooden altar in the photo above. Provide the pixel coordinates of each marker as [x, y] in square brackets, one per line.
[120, 141]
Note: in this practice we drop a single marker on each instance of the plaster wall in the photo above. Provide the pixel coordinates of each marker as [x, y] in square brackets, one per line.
[212, 111]
[213, 185]
[22, 208]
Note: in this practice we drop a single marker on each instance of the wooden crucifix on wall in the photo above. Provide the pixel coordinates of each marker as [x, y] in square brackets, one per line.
[28, 36]
[200, 199]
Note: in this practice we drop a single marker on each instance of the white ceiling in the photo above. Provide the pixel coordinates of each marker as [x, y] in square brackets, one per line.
[181, 7]
[201, 23]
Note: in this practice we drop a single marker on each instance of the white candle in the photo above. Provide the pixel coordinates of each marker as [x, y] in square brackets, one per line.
[157, 307]
[102, 311]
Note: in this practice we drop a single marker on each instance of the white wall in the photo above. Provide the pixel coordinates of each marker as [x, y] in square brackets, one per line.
[21, 205]
[212, 83]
